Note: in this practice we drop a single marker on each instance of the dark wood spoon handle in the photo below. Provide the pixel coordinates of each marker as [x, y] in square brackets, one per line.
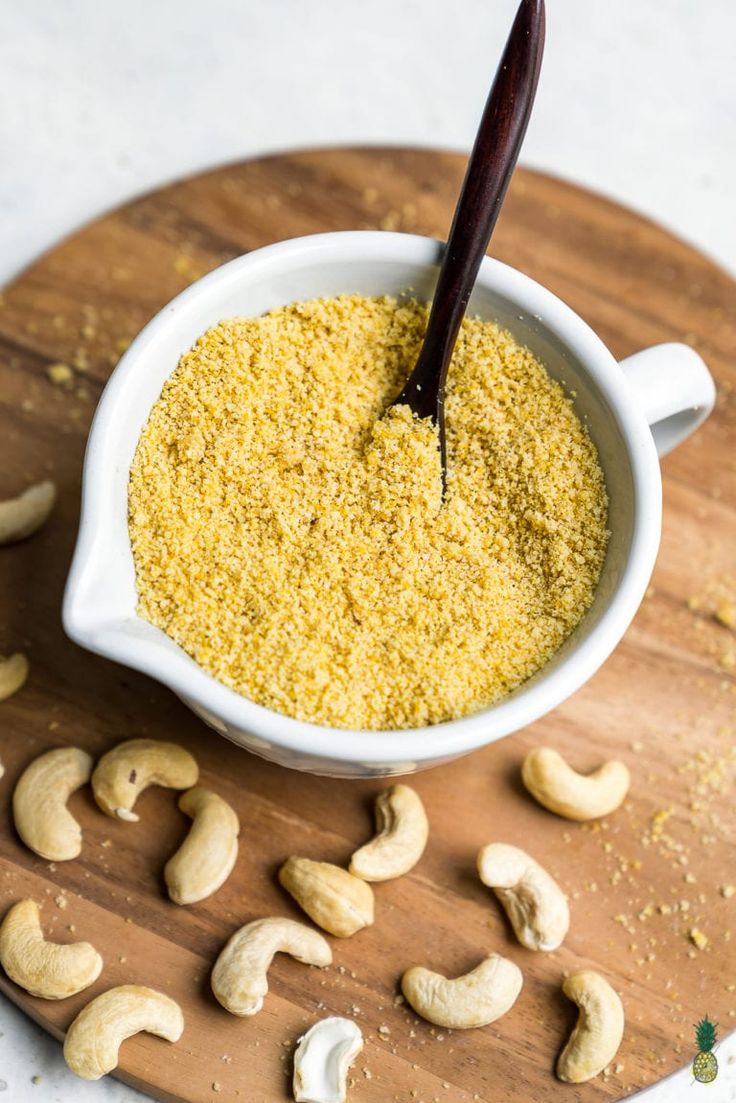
[491, 164]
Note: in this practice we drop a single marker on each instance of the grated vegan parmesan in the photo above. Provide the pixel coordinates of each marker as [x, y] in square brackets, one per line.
[293, 540]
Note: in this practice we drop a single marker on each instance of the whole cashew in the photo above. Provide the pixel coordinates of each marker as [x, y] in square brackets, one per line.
[13, 674]
[322, 1059]
[534, 902]
[598, 1032]
[576, 796]
[239, 976]
[22, 516]
[94, 1038]
[125, 771]
[332, 897]
[402, 827]
[206, 858]
[42, 819]
[476, 999]
[47, 969]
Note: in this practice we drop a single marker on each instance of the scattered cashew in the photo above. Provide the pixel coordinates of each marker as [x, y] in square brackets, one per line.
[534, 902]
[125, 771]
[576, 796]
[42, 819]
[322, 1059]
[47, 969]
[239, 976]
[13, 674]
[94, 1038]
[24, 515]
[206, 858]
[476, 999]
[402, 827]
[332, 897]
[598, 1032]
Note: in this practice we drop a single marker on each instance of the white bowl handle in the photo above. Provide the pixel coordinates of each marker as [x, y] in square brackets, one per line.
[674, 389]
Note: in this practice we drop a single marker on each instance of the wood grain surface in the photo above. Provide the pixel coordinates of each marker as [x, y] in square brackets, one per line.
[638, 882]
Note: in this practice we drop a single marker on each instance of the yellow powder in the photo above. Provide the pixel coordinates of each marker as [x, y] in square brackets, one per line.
[60, 373]
[726, 614]
[294, 541]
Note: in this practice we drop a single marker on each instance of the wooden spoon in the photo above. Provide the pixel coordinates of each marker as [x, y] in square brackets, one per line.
[497, 144]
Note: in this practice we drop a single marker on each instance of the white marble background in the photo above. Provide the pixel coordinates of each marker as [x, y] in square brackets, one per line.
[100, 101]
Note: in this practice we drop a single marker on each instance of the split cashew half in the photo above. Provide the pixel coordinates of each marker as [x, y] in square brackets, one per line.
[402, 827]
[322, 1059]
[24, 515]
[534, 902]
[47, 969]
[239, 976]
[42, 819]
[598, 1032]
[94, 1038]
[476, 999]
[125, 771]
[206, 858]
[332, 897]
[13, 675]
[575, 796]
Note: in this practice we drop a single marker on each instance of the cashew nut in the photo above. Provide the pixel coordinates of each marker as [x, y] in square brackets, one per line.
[576, 796]
[534, 902]
[239, 976]
[402, 827]
[598, 1032]
[476, 999]
[13, 674]
[94, 1038]
[47, 969]
[22, 516]
[206, 858]
[332, 897]
[42, 819]
[125, 771]
[322, 1059]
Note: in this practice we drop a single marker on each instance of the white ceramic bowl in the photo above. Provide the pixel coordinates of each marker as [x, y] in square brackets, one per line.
[668, 385]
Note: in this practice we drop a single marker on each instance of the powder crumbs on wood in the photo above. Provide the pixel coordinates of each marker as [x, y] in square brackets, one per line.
[294, 541]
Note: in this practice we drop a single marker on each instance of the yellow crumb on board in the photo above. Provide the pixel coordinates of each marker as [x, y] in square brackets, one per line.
[698, 938]
[726, 614]
[60, 373]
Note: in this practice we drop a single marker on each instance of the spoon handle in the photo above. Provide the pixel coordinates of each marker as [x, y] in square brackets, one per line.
[491, 164]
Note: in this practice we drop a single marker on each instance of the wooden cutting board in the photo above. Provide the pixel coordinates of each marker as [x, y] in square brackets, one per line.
[638, 883]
